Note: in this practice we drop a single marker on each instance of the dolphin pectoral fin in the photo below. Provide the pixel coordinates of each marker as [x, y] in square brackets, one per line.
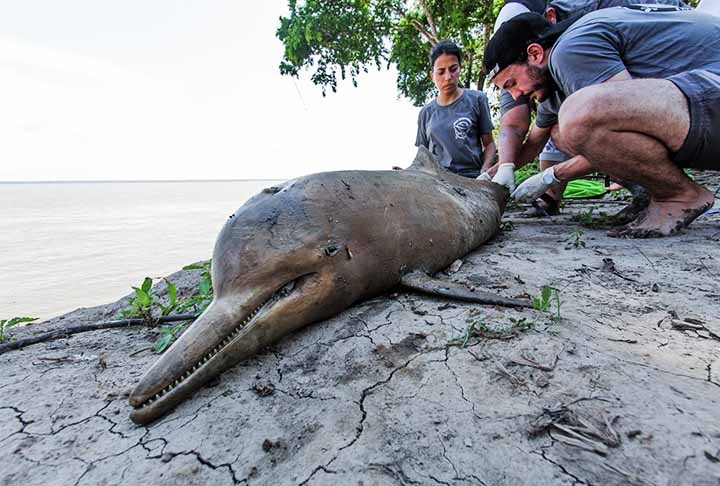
[425, 161]
[426, 284]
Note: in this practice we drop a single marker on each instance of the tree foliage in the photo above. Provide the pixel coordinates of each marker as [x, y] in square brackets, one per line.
[343, 38]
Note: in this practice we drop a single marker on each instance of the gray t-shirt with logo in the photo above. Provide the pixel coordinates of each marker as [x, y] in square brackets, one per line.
[646, 44]
[453, 132]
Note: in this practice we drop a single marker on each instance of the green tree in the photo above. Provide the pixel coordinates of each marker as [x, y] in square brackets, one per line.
[343, 38]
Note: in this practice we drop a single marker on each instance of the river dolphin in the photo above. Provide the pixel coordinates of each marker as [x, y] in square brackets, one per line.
[306, 250]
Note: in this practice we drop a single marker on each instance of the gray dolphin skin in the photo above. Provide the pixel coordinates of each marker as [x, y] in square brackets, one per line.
[305, 251]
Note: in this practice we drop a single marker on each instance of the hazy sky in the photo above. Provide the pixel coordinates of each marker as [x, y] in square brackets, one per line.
[171, 89]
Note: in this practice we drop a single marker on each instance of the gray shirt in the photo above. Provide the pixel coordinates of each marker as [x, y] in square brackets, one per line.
[646, 44]
[578, 8]
[453, 132]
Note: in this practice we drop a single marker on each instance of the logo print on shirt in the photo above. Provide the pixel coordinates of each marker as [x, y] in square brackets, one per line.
[462, 126]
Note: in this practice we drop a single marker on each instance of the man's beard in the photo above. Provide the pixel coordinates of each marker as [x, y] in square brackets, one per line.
[544, 85]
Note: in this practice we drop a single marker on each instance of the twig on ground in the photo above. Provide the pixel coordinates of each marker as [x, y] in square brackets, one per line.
[63, 333]
[577, 440]
[512, 378]
[707, 269]
[644, 255]
[631, 478]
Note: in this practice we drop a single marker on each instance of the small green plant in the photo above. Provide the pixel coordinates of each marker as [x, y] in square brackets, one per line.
[167, 336]
[7, 324]
[141, 306]
[144, 304]
[619, 195]
[548, 296]
[591, 220]
[147, 306]
[585, 218]
[480, 329]
[576, 239]
[199, 301]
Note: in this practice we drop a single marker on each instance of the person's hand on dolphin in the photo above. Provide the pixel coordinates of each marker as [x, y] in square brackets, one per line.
[535, 186]
[505, 176]
[484, 177]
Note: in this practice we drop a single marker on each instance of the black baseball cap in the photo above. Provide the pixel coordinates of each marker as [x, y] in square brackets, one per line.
[509, 44]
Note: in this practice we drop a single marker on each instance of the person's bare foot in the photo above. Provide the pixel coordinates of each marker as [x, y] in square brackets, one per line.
[666, 218]
[628, 214]
[640, 202]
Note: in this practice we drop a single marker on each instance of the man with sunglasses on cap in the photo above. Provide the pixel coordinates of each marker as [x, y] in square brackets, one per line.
[640, 95]
[515, 114]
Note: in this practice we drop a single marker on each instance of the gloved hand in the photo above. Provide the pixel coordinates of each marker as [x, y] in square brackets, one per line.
[484, 177]
[535, 186]
[505, 176]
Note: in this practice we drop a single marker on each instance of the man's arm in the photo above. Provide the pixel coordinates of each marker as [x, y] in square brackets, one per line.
[573, 168]
[489, 150]
[532, 147]
[514, 125]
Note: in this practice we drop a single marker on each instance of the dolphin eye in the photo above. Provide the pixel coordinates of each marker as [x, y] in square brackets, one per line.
[331, 249]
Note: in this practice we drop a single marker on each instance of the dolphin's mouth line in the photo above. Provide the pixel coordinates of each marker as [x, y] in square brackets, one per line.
[282, 293]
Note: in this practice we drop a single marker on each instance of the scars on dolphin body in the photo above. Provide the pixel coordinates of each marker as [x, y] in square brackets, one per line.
[310, 248]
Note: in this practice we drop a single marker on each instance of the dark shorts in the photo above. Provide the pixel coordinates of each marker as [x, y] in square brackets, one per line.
[701, 149]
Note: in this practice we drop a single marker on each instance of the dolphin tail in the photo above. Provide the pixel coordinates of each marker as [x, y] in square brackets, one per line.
[426, 284]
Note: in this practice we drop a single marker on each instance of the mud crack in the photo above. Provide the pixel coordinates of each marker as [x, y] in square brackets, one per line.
[577, 480]
[361, 426]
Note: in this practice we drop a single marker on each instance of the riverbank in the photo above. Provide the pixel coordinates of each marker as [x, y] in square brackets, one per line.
[623, 389]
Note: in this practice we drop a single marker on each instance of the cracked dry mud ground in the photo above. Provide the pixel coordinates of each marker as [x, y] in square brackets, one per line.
[377, 396]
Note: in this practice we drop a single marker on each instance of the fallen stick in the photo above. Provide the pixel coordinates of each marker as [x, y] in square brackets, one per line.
[62, 333]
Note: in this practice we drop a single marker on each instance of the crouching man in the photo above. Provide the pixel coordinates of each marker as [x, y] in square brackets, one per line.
[635, 92]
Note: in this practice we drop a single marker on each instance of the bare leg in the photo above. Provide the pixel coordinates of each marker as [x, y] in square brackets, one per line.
[628, 129]
[640, 202]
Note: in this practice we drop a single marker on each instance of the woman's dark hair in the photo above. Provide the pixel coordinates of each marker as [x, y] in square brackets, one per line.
[444, 47]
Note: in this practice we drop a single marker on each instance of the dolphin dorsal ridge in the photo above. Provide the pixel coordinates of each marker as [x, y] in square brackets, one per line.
[425, 161]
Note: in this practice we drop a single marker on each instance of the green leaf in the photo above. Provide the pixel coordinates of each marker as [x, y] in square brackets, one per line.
[19, 320]
[142, 296]
[172, 294]
[546, 291]
[147, 283]
[163, 342]
[194, 266]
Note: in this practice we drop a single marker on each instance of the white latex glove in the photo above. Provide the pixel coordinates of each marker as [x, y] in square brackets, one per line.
[535, 186]
[505, 176]
[484, 177]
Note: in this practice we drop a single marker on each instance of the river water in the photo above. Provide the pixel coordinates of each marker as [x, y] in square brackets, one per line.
[79, 244]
